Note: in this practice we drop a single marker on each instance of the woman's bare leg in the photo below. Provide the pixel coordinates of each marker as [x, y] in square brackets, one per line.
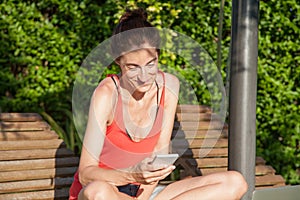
[226, 185]
[100, 190]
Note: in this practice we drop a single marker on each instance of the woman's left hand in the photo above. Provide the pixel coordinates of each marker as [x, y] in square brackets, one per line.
[147, 173]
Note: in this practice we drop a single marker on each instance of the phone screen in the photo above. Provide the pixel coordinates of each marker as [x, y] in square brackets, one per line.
[164, 159]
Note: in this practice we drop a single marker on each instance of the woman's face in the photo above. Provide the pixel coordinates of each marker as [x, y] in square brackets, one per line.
[139, 69]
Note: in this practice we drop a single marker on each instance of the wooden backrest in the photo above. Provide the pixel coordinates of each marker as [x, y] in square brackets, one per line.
[202, 139]
[34, 162]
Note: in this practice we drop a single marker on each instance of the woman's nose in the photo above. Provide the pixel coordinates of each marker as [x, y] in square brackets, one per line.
[143, 75]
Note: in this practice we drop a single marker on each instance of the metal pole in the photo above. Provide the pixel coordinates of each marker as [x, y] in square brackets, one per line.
[242, 92]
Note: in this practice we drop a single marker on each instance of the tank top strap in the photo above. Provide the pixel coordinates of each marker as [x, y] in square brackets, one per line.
[160, 111]
[118, 113]
[115, 79]
[162, 98]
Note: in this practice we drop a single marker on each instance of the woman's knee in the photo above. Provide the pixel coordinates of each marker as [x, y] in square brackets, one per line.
[238, 183]
[97, 190]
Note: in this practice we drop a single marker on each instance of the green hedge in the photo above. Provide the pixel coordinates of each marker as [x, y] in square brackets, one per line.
[43, 44]
[278, 98]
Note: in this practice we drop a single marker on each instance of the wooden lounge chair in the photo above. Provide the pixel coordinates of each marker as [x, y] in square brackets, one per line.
[35, 163]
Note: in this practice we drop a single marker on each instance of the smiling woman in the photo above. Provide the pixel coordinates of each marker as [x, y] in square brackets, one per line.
[130, 121]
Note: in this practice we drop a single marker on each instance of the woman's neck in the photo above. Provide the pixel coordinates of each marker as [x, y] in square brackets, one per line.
[138, 95]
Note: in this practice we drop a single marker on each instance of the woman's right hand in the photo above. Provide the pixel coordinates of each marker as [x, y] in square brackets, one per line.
[147, 173]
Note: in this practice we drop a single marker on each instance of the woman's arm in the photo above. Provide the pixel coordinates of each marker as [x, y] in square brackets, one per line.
[171, 100]
[100, 114]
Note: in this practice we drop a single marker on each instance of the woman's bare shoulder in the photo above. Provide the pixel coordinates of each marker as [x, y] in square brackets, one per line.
[172, 83]
[171, 78]
[105, 93]
[106, 87]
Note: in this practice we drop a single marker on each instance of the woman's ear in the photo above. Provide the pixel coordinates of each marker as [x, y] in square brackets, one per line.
[157, 52]
[117, 61]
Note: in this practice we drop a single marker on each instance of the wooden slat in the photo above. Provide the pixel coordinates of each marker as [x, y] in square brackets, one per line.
[19, 165]
[43, 184]
[27, 135]
[259, 170]
[211, 162]
[20, 117]
[24, 126]
[207, 171]
[264, 169]
[193, 108]
[34, 154]
[200, 143]
[195, 117]
[269, 180]
[200, 153]
[39, 195]
[37, 174]
[202, 125]
[259, 187]
[31, 144]
[199, 134]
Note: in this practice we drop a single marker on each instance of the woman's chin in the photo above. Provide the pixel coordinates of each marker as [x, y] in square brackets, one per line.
[143, 88]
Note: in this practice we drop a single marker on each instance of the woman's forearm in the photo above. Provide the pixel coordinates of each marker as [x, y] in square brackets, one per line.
[94, 173]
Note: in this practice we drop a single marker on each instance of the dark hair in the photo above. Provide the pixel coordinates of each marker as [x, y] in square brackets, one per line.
[132, 19]
[140, 31]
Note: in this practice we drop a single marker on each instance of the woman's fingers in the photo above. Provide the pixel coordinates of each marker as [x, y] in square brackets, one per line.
[157, 175]
[163, 171]
[146, 173]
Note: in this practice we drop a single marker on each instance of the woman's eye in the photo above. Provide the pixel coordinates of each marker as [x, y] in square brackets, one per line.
[132, 68]
[151, 64]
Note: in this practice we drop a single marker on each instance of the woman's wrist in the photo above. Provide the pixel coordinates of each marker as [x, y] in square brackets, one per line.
[129, 175]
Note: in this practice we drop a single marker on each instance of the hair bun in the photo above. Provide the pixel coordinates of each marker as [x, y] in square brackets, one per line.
[139, 14]
[134, 20]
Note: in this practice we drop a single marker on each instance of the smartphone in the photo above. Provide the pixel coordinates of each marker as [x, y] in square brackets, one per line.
[164, 159]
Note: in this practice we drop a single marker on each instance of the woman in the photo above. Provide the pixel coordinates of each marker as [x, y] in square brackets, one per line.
[131, 119]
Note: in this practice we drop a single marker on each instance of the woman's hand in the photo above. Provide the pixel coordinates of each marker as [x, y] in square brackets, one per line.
[147, 173]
